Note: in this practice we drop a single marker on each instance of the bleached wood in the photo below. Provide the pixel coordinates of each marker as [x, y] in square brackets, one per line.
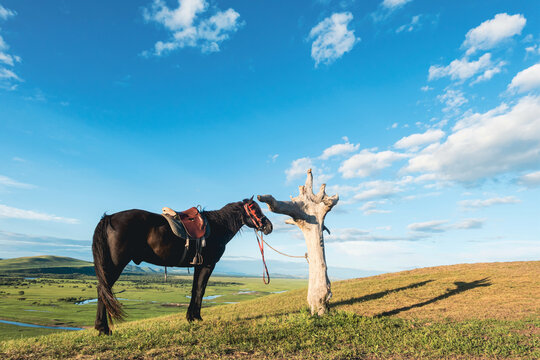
[308, 211]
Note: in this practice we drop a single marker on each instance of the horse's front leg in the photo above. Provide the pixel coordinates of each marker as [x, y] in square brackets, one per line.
[200, 279]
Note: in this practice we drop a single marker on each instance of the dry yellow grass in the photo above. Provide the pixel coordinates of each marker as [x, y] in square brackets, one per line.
[501, 291]
[504, 291]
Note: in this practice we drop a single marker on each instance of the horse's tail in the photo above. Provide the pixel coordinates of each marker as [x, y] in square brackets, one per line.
[102, 261]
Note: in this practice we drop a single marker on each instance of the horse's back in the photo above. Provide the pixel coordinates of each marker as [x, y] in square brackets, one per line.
[137, 218]
[135, 225]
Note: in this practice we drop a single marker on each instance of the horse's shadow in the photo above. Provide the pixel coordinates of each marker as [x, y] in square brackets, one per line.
[378, 295]
[460, 287]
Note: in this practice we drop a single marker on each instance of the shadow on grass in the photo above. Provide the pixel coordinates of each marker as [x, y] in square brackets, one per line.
[460, 287]
[378, 295]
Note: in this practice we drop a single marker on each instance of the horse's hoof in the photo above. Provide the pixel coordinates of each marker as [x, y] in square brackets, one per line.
[192, 318]
[106, 332]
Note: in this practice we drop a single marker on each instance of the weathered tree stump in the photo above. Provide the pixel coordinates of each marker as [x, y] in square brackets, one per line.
[307, 211]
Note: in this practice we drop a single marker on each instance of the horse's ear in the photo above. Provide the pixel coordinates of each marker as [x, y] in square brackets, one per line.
[250, 200]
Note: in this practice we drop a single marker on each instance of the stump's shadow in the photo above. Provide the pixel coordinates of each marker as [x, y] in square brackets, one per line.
[378, 295]
[460, 287]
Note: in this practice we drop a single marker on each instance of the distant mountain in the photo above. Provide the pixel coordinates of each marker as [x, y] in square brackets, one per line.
[47, 264]
[254, 268]
[248, 267]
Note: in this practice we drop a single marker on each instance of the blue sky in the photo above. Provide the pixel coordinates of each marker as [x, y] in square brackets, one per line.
[423, 116]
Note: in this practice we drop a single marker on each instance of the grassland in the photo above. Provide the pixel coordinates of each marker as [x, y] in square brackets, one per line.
[53, 302]
[474, 311]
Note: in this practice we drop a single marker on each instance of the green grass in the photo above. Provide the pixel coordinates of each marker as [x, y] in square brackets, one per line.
[51, 302]
[473, 311]
[18, 332]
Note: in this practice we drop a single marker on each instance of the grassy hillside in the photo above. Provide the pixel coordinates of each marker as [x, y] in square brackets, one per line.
[37, 262]
[458, 312]
[46, 264]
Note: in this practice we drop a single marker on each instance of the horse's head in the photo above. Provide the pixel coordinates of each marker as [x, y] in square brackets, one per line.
[254, 217]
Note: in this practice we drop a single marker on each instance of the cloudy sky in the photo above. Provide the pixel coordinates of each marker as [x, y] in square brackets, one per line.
[424, 116]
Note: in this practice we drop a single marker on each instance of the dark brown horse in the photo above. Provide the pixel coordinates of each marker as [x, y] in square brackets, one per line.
[138, 235]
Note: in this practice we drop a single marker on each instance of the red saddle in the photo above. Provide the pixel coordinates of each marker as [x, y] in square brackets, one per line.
[193, 222]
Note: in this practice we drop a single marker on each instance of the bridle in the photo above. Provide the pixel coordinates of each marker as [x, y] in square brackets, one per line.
[258, 222]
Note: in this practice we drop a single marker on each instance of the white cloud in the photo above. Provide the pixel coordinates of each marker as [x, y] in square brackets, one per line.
[461, 69]
[439, 226]
[14, 213]
[417, 140]
[526, 80]
[479, 203]
[332, 38]
[426, 88]
[433, 226]
[369, 191]
[299, 168]
[453, 99]
[8, 59]
[532, 50]
[339, 149]
[319, 177]
[6, 74]
[370, 207]
[367, 163]
[187, 27]
[377, 189]
[492, 32]
[8, 78]
[16, 245]
[470, 224]
[4, 56]
[489, 73]
[414, 24]
[394, 4]
[8, 182]
[354, 234]
[530, 180]
[6, 13]
[177, 19]
[481, 146]
[216, 29]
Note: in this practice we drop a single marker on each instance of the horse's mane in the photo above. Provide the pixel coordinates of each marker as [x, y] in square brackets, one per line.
[229, 216]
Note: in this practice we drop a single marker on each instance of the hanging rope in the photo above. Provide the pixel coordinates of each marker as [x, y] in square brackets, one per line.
[261, 243]
[305, 256]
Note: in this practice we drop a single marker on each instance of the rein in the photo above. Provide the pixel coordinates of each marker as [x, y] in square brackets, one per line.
[260, 240]
[266, 274]
[258, 223]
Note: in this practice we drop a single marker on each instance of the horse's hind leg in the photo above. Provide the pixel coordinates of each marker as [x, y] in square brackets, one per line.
[101, 323]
